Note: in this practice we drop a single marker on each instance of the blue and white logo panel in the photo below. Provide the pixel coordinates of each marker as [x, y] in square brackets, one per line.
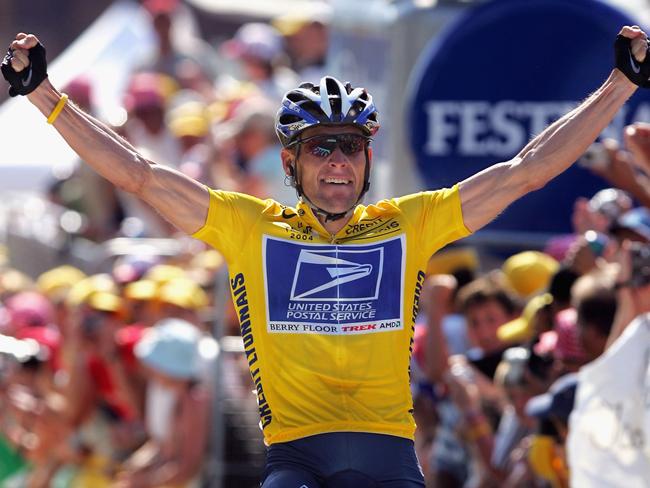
[334, 289]
[338, 275]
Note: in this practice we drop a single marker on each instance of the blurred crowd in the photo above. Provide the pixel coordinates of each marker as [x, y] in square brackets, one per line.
[205, 110]
[500, 354]
[109, 379]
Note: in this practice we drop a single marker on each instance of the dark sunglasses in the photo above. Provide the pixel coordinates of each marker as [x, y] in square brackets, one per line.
[324, 145]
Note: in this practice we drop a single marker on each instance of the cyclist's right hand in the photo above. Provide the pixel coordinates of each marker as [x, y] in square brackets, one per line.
[24, 66]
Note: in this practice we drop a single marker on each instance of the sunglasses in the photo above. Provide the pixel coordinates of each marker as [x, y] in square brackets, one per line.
[324, 145]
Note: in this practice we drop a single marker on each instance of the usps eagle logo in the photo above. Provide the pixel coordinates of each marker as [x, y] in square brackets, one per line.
[328, 275]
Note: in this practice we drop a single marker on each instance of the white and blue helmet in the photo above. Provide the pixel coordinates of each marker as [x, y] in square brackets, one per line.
[328, 103]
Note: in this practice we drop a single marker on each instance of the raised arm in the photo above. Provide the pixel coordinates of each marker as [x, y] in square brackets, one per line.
[486, 194]
[178, 198]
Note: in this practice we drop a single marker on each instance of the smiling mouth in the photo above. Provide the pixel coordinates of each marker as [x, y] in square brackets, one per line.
[336, 181]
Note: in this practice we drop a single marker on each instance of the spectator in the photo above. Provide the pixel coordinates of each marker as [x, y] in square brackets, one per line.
[132, 267]
[145, 102]
[13, 281]
[173, 57]
[633, 225]
[140, 302]
[487, 304]
[174, 353]
[259, 49]
[535, 319]
[80, 90]
[492, 452]
[547, 455]
[596, 215]
[188, 120]
[306, 33]
[183, 298]
[595, 302]
[250, 144]
[560, 288]
[563, 344]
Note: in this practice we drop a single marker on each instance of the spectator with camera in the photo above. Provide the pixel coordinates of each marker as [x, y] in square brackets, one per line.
[494, 447]
[486, 303]
[613, 389]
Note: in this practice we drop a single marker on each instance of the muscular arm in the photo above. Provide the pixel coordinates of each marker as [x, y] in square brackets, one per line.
[179, 199]
[489, 192]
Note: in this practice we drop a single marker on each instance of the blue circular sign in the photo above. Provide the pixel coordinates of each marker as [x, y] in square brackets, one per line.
[499, 75]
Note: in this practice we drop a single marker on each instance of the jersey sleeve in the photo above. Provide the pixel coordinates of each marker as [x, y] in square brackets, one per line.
[436, 217]
[231, 217]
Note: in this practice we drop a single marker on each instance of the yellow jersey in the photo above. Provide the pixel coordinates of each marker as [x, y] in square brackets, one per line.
[327, 320]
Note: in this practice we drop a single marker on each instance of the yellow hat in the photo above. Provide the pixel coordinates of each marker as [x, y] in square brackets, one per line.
[522, 329]
[162, 273]
[141, 290]
[290, 22]
[82, 290]
[104, 301]
[230, 96]
[210, 259]
[188, 119]
[450, 260]
[59, 280]
[289, 25]
[183, 293]
[189, 125]
[204, 266]
[14, 281]
[530, 272]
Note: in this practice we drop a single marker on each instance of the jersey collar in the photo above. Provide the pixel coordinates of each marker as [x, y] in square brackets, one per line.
[307, 214]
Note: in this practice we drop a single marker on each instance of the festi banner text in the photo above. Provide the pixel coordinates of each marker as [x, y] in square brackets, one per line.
[498, 76]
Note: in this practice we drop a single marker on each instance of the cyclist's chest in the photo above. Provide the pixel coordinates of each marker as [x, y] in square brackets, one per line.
[349, 284]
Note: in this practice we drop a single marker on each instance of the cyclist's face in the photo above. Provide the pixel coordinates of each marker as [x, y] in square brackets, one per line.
[331, 166]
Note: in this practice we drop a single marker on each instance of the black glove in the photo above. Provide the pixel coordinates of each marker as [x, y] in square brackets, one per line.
[637, 73]
[27, 80]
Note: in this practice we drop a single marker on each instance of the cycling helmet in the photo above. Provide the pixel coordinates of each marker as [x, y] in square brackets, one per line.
[328, 103]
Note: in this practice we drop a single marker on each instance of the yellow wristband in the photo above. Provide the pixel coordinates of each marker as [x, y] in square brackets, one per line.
[58, 108]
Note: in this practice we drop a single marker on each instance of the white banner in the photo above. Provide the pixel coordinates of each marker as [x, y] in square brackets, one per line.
[609, 429]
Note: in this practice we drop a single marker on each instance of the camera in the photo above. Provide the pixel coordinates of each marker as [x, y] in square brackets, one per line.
[596, 241]
[640, 263]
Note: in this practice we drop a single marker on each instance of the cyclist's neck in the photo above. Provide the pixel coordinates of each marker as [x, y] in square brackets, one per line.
[332, 223]
[334, 226]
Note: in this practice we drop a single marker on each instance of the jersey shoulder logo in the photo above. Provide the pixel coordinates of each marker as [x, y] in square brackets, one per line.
[288, 214]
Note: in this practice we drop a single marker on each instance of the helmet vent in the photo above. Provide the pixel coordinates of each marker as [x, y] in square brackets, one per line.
[289, 119]
[295, 96]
